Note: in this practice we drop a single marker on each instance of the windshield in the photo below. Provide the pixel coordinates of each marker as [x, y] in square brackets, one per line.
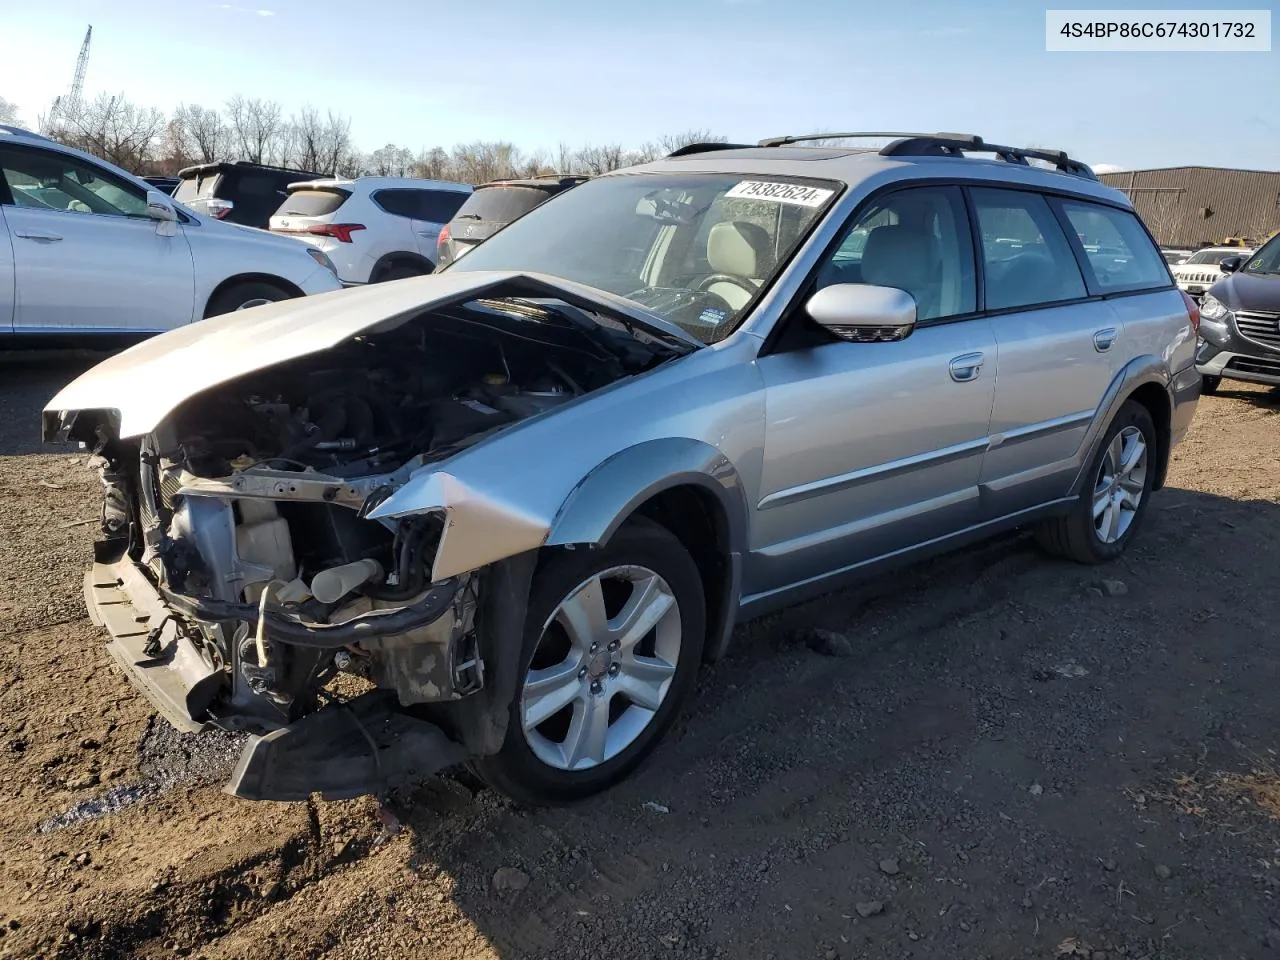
[1209, 256]
[1266, 260]
[695, 249]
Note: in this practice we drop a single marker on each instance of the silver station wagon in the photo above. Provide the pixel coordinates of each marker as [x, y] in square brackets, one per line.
[500, 515]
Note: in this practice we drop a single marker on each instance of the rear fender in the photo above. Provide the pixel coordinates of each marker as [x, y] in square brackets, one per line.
[1137, 373]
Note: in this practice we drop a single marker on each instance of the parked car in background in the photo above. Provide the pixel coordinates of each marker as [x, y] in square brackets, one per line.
[491, 207]
[1240, 320]
[1173, 255]
[239, 192]
[372, 228]
[1203, 269]
[88, 250]
[167, 184]
[528, 496]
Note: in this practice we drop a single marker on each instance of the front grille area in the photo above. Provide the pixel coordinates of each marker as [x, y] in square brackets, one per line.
[1269, 368]
[1206, 277]
[1263, 328]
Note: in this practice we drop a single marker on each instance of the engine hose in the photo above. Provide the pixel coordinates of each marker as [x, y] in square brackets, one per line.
[321, 636]
[411, 575]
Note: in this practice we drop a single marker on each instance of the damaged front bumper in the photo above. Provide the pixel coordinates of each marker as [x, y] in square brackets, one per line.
[366, 746]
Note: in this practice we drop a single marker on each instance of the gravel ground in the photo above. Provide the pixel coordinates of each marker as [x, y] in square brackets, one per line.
[991, 755]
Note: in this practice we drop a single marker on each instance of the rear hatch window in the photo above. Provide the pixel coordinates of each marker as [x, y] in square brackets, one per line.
[491, 208]
[312, 203]
[197, 187]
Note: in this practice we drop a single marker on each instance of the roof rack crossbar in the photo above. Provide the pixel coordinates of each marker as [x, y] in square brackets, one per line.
[707, 147]
[861, 135]
[948, 145]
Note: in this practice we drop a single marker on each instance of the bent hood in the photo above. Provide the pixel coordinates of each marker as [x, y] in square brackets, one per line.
[144, 384]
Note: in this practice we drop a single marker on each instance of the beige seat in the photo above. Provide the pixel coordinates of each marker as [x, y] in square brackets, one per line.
[742, 250]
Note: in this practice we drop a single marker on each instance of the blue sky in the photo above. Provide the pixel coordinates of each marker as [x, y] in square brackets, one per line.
[437, 73]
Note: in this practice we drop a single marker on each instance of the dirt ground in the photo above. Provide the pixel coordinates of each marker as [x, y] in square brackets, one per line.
[1014, 757]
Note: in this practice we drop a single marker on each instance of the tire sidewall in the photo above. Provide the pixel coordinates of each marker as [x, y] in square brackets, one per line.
[1131, 415]
[516, 769]
[231, 299]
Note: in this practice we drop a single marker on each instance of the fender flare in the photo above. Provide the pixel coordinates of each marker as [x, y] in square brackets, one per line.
[615, 489]
[1135, 374]
[405, 256]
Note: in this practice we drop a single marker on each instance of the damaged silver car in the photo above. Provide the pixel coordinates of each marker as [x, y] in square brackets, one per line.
[501, 514]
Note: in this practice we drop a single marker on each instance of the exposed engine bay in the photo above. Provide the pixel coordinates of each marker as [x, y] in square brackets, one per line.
[245, 510]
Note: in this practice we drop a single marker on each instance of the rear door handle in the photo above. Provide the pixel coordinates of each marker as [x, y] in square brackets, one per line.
[1104, 339]
[41, 237]
[966, 367]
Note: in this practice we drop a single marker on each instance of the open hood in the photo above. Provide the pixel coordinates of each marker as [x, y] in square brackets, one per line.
[147, 382]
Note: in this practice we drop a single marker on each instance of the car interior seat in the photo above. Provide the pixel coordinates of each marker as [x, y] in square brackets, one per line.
[902, 256]
[742, 250]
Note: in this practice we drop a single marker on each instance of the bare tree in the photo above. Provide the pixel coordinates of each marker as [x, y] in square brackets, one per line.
[8, 111]
[256, 128]
[432, 164]
[566, 161]
[600, 159]
[207, 136]
[389, 161]
[319, 143]
[671, 142]
[115, 129]
[485, 160]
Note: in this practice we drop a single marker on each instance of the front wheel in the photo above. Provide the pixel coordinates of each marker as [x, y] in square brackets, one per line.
[613, 639]
[1114, 500]
[244, 296]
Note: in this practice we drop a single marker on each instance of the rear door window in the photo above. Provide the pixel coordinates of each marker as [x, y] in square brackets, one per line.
[1120, 254]
[438, 206]
[312, 203]
[1027, 259]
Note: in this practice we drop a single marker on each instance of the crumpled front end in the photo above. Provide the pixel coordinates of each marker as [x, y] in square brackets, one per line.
[251, 578]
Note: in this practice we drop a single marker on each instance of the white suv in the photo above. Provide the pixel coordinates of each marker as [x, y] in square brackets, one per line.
[86, 248]
[372, 228]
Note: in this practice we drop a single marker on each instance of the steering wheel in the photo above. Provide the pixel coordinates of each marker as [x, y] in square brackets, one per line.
[706, 284]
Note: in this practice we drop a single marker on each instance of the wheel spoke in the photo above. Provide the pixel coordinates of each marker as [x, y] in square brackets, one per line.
[1115, 454]
[1132, 454]
[643, 680]
[1100, 503]
[550, 690]
[588, 731]
[645, 608]
[582, 615]
[1114, 517]
[1130, 496]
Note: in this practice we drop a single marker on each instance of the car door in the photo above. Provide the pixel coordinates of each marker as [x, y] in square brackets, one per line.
[432, 209]
[1058, 349]
[872, 448]
[86, 255]
[6, 269]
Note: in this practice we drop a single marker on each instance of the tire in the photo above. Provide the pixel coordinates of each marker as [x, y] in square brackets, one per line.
[1077, 535]
[244, 296]
[537, 767]
[400, 271]
[1209, 385]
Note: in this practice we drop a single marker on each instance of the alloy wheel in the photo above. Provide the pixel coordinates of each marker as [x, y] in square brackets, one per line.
[1120, 485]
[602, 668]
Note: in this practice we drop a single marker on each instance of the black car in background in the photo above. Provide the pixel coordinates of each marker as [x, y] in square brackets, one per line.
[491, 207]
[239, 192]
[1240, 321]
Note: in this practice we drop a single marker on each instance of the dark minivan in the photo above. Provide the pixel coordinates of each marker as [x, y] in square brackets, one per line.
[1240, 321]
[491, 207]
[239, 192]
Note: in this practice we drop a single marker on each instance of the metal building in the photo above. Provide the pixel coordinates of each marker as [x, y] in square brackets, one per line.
[1198, 206]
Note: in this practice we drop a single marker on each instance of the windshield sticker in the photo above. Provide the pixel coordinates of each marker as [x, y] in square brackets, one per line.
[780, 193]
[712, 316]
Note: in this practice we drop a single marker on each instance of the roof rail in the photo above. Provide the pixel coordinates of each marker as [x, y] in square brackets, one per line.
[19, 131]
[691, 148]
[950, 145]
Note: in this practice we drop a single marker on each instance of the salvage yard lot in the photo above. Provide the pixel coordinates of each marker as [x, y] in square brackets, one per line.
[1008, 757]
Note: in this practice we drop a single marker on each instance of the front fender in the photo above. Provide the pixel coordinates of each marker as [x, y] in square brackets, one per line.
[612, 491]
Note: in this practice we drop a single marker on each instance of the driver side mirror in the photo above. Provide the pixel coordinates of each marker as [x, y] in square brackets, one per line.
[862, 313]
[1231, 264]
[158, 207]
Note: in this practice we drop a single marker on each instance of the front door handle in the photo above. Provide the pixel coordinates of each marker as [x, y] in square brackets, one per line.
[41, 237]
[1104, 339]
[966, 367]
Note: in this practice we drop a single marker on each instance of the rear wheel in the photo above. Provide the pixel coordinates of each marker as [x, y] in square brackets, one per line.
[244, 296]
[1114, 499]
[613, 639]
[1209, 385]
[401, 271]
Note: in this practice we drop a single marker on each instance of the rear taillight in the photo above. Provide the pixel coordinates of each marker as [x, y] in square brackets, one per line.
[218, 208]
[339, 231]
[443, 238]
[1193, 311]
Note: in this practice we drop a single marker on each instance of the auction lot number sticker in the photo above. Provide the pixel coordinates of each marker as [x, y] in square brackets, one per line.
[1167, 31]
[780, 193]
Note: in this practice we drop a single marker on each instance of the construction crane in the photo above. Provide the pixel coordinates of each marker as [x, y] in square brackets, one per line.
[68, 105]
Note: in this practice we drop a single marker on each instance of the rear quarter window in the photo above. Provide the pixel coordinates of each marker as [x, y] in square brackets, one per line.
[1117, 249]
[312, 203]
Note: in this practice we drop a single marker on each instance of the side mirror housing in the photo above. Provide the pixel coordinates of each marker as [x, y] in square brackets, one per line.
[862, 313]
[1231, 264]
[158, 206]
